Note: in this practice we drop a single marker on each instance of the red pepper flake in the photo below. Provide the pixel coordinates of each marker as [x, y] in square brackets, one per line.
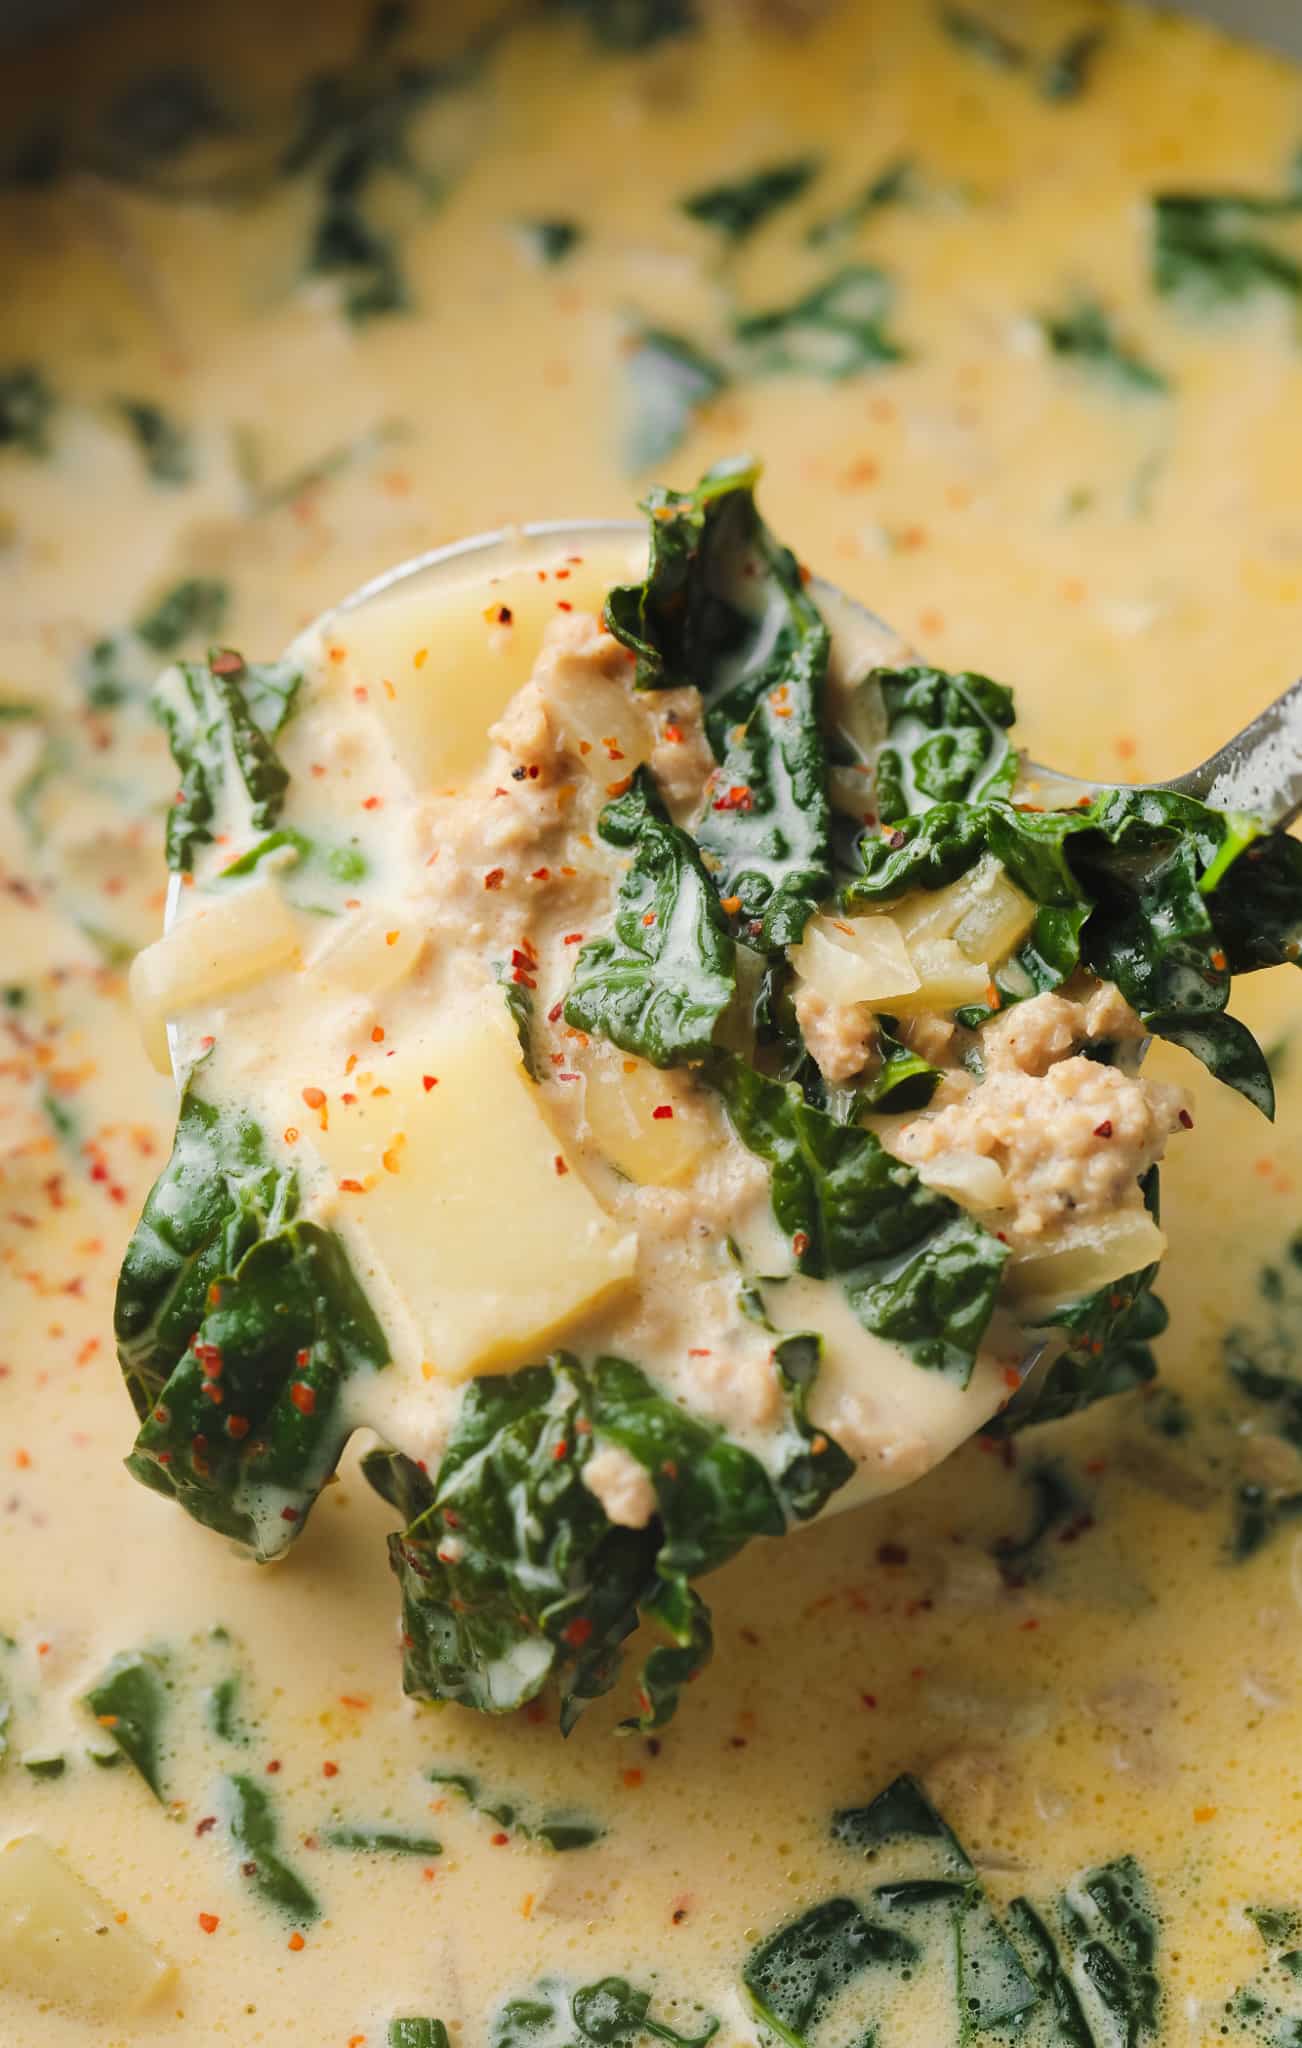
[1186, 1120]
[699, 1351]
[330, 1770]
[372, 803]
[1027, 1626]
[563, 604]
[210, 1922]
[572, 939]
[540, 875]
[800, 1243]
[500, 1839]
[314, 1097]
[632, 1778]
[1219, 961]
[1012, 1379]
[291, 1134]
[356, 1700]
[554, 1014]
[494, 878]
[869, 1698]
[732, 904]
[737, 798]
[1103, 1130]
[560, 1165]
[618, 788]
[296, 1942]
[237, 1426]
[351, 1187]
[662, 1112]
[290, 1515]
[225, 662]
[674, 734]
[273, 1767]
[892, 1553]
[577, 1632]
[648, 917]
[428, 1081]
[304, 1398]
[377, 1034]
[206, 1825]
[504, 615]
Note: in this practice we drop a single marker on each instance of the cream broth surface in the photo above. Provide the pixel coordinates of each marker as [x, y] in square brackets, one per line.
[1129, 559]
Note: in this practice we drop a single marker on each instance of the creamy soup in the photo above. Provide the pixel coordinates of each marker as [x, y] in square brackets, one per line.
[1005, 299]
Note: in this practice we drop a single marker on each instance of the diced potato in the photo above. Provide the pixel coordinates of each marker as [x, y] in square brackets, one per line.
[969, 1177]
[1038, 1282]
[214, 948]
[620, 1101]
[440, 663]
[983, 912]
[61, 1940]
[482, 1226]
[369, 951]
[947, 979]
[855, 959]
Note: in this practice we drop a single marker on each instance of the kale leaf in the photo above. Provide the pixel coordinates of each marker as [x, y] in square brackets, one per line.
[982, 38]
[418, 2033]
[208, 708]
[632, 25]
[1066, 73]
[1050, 1976]
[609, 2014]
[946, 740]
[26, 406]
[916, 1269]
[238, 1324]
[1209, 250]
[724, 607]
[794, 1978]
[740, 205]
[1085, 334]
[197, 604]
[1146, 888]
[837, 329]
[1112, 1920]
[657, 984]
[129, 1700]
[164, 446]
[942, 1886]
[667, 381]
[559, 1832]
[255, 1834]
[551, 240]
[512, 1573]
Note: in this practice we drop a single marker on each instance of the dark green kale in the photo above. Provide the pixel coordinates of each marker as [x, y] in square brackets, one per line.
[369, 1841]
[1058, 1509]
[893, 185]
[667, 381]
[1107, 1349]
[238, 1324]
[1112, 1921]
[836, 330]
[255, 1838]
[1085, 334]
[658, 984]
[550, 241]
[814, 1467]
[1146, 888]
[424, 2033]
[560, 1832]
[740, 205]
[164, 446]
[196, 606]
[982, 38]
[515, 978]
[942, 1901]
[724, 607]
[902, 1080]
[946, 741]
[916, 1269]
[1209, 248]
[1066, 74]
[27, 405]
[794, 1979]
[610, 2014]
[1050, 1976]
[129, 1701]
[512, 1574]
[351, 133]
[632, 25]
[208, 707]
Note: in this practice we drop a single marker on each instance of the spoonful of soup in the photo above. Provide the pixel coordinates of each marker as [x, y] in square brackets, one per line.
[654, 1055]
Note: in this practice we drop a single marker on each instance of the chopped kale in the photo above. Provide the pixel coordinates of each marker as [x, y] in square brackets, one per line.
[667, 382]
[27, 404]
[549, 242]
[196, 607]
[738, 206]
[165, 447]
[836, 330]
[1085, 335]
[894, 184]
[632, 25]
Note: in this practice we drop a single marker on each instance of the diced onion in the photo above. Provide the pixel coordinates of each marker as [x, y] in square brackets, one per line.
[983, 912]
[969, 1177]
[946, 978]
[626, 1119]
[855, 960]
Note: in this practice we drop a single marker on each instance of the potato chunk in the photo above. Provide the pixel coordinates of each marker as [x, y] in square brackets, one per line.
[855, 959]
[652, 1132]
[468, 1202]
[217, 946]
[368, 951]
[60, 1939]
[441, 663]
